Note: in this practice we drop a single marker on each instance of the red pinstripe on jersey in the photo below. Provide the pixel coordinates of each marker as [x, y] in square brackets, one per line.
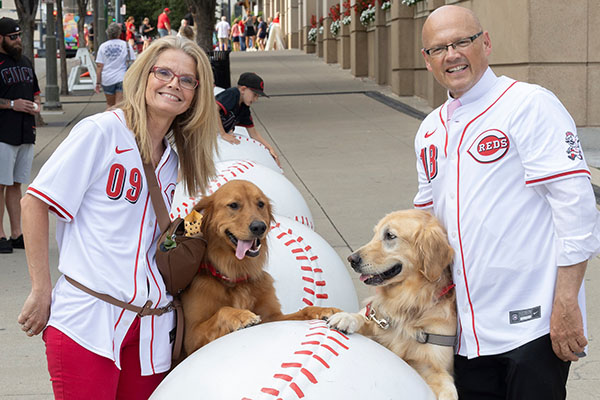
[458, 213]
[446, 129]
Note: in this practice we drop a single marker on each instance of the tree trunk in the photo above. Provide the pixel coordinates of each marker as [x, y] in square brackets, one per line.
[82, 9]
[60, 37]
[204, 20]
[26, 10]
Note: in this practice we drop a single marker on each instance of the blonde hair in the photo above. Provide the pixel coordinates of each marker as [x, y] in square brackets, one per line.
[194, 132]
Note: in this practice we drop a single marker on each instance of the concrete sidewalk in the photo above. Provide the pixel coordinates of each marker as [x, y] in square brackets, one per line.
[349, 154]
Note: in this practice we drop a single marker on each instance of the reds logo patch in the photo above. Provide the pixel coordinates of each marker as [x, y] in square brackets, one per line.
[490, 146]
[574, 149]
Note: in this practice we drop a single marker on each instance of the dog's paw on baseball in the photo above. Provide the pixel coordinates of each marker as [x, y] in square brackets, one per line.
[243, 319]
[322, 313]
[343, 322]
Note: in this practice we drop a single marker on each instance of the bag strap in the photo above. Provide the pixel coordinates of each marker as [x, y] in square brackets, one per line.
[141, 311]
[162, 215]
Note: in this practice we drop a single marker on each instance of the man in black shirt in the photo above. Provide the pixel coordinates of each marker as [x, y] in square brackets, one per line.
[234, 109]
[19, 102]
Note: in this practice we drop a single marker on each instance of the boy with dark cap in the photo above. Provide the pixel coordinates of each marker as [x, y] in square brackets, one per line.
[19, 103]
[234, 109]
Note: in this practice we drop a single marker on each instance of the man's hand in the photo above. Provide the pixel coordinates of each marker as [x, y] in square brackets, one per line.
[26, 106]
[230, 138]
[97, 88]
[566, 321]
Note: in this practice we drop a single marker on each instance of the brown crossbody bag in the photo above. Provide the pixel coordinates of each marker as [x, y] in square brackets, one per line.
[178, 258]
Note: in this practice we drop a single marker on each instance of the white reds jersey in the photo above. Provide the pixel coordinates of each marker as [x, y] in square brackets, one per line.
[106, 232]
[485, 173]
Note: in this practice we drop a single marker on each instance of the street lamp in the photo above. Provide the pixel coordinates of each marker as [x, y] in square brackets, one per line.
[52, 100]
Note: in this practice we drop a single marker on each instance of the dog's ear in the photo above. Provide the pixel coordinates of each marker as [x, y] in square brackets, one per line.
[269, 206]
[205, 206]
[434, 250]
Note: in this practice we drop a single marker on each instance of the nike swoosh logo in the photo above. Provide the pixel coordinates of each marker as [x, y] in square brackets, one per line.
[427, 134]
[118, 151]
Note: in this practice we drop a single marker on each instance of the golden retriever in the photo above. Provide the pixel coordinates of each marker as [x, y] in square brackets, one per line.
[414, 305]
[232, 290]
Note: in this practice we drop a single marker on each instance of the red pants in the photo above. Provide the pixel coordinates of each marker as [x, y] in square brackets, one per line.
[77, 373]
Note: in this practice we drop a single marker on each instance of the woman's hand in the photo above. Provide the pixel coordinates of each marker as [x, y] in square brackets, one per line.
[36, 311]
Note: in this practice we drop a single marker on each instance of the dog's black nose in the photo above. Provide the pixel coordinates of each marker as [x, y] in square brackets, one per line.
[258, 227]
[354, 260]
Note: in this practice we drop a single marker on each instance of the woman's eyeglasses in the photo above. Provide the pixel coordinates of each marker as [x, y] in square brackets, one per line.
[188, 82]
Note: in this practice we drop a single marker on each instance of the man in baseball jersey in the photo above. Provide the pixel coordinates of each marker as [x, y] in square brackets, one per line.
[499, 163]
[234, 109]
[19, 103]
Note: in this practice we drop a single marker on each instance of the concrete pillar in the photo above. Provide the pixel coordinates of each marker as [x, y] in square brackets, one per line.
[300, 21]
[343, 47]
[359, 61]
[291, 17]
[403, 49]
[309, 8]
[329, 41]
[381, 49]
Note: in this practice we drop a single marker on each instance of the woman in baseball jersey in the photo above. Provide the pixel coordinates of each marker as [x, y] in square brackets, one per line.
[106, 226]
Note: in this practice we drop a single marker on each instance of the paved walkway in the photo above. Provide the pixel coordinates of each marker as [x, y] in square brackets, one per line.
[349, 154]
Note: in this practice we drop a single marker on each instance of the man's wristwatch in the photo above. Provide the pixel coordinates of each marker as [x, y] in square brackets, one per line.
[12, 104]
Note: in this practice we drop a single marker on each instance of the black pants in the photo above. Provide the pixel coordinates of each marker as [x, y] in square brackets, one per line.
[529, 372]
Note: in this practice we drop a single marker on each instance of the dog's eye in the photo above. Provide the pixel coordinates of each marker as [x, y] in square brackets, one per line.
[234, 206]
[390, 236]
[261, 204]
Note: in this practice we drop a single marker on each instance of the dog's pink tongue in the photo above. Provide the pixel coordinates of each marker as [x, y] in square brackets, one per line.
[364, 277]
[242, 248]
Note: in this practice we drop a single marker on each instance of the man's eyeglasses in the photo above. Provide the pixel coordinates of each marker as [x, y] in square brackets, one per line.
[188, 82]
[13, 36]
[459, 44]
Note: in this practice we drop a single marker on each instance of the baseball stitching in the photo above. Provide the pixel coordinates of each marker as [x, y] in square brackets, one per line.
[222, 178]
[312, 279]
[320, 347]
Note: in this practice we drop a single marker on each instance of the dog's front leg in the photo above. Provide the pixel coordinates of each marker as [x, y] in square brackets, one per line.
[346, 322]
[440, 381]
[224, 321]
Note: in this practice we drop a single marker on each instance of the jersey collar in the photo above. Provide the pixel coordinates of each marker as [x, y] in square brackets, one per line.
[483, 86]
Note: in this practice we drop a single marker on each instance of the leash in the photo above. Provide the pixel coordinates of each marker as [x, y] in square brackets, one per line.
[422, 336]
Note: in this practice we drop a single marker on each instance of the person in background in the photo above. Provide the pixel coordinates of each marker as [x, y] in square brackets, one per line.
[223, 29]
[164, 23]
[19, 104]
[145, 30]
[236, 34]
[111, 65]
[275, 40]
[186, 32]
[95, 349]
[262, 33]
[91, 37]
[500, 164]
[234, 109]
[130, 34]
[250, 32]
